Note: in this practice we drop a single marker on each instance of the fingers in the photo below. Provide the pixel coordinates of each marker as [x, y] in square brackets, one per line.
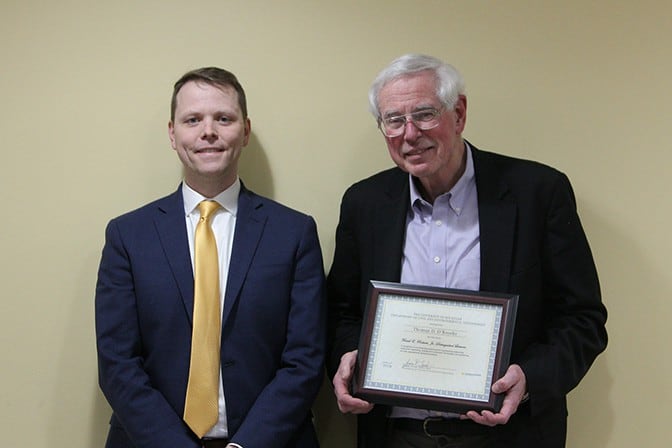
[513, 385]
[348, 404]
[514, 378]
[486, 418]
[347, 365]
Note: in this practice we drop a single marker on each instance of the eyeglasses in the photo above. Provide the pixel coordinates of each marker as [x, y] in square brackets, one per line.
[424, 120]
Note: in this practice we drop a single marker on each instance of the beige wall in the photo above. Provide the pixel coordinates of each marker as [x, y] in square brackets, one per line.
[84, 91]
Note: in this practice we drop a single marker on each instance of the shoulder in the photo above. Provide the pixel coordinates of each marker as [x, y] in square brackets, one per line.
[534, 186]
[510, 165]
[270, 207]
[517, 173]
[145, 214]
[390, 181]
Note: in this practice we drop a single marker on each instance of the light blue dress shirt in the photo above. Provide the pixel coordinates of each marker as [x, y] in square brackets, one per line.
[442, 246]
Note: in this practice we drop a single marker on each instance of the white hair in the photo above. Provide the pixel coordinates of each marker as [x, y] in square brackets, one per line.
[449, 85]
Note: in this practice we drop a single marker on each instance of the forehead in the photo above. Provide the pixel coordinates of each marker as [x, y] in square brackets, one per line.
[200, 95]
[407, 93]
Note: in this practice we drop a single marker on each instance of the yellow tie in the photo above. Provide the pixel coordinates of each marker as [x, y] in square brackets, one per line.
[201, 408]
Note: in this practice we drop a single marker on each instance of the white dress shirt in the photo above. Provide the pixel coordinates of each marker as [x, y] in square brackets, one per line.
[223, 224]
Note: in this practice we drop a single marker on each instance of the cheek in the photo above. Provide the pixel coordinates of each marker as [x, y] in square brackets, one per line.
[392, 151]
[179, 145]
[186, 140]
[242, 141]
[396, 154]
[393, 148]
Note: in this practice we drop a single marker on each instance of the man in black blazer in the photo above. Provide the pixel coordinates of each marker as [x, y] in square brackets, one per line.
[451, 215]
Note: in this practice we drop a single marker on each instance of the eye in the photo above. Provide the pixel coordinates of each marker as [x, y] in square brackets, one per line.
[191, 120]
[224, 119]
[424, 115]
[395, 122]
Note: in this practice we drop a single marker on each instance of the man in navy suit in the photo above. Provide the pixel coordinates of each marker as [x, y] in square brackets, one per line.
[271, 294]
[453, 216]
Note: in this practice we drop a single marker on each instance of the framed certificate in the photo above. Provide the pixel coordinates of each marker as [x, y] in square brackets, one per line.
[434, 348]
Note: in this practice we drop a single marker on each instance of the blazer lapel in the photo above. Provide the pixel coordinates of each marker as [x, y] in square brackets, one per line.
[172, 229]
[250, 224]
[389, 229]
[497, 218]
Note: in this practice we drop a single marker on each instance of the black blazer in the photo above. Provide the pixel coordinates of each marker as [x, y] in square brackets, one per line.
[532, 244]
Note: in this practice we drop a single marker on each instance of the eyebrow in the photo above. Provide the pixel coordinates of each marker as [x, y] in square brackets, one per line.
[192, 112]
[417, 109]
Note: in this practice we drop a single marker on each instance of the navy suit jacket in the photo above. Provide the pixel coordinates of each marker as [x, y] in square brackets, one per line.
[532, 244]
[273, 332]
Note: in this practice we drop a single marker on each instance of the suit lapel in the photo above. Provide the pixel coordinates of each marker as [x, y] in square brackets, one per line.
[497, 219]
[250, 224]
[389, 229]
[171, 227]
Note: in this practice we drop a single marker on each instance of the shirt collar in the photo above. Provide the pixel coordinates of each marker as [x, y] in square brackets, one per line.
[459, 191]
[228, 198]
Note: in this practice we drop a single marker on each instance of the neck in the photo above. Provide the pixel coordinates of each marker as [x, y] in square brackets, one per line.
[209, 187]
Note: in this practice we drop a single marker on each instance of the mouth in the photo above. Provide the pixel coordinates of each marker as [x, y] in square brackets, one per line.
[414, 152]
[208, 150]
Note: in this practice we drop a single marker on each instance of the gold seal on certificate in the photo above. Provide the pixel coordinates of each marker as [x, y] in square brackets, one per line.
[434, 348]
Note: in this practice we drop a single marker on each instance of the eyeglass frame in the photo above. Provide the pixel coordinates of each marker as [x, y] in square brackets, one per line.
[418, 124]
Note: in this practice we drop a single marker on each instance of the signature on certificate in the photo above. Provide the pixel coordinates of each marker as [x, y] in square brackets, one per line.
[416, 364]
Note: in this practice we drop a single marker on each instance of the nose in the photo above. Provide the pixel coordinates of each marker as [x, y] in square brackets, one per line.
[411, 131]
[209, 132]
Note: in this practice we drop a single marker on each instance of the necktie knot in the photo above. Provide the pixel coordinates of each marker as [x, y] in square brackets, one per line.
[207, 208]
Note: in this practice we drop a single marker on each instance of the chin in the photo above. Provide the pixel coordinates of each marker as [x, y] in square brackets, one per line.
[417, 170]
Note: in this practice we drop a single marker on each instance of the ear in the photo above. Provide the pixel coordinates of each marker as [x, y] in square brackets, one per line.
[461, 113]
[248, 131]
[171, 133]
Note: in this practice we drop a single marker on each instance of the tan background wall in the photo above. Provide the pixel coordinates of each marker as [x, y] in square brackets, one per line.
[84, 91]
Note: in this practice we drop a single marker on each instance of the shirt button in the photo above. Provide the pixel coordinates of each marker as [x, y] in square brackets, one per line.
[437, 259]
